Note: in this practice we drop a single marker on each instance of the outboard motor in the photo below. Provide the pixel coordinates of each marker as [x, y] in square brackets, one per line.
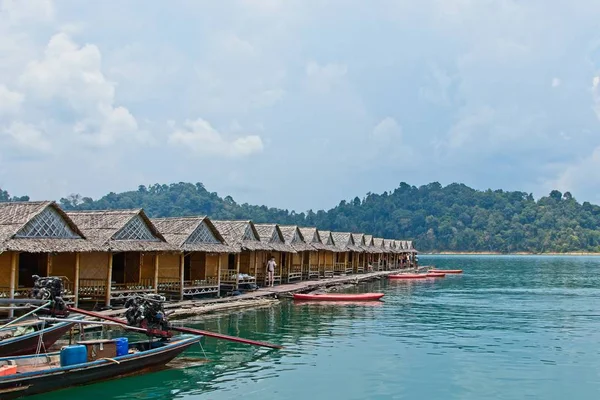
[147, 312]
[49, 288]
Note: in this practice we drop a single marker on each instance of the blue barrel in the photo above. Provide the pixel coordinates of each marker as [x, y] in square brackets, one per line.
[74, 354]
[122, 346]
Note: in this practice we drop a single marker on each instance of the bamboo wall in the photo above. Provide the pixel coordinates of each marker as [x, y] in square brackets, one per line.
[5, 261]
[147, 271]
[93, 265]
[246, 266]
[212, 266]
[63, 264]
[168, 265]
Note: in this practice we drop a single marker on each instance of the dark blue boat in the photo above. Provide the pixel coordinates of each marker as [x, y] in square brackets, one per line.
[43, 373]
[24, 337]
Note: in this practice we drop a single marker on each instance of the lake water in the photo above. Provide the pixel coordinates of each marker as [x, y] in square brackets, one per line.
[508, 328]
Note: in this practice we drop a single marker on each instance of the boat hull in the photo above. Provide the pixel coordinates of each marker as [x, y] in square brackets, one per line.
[435, 275]
[28, 343]
[339, 297]
[408, 276]
[447, 271]
[15, 386]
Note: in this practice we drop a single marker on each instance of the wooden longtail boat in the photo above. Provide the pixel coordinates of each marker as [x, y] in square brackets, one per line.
[43, 373]
[24, 337]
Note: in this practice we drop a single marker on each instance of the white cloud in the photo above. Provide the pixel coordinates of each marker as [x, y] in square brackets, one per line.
[10, 102]
[556, 82]
[387, 130]
[200, 137]
[73, 74]
[28, 137]
[17, 12]
[324, 78]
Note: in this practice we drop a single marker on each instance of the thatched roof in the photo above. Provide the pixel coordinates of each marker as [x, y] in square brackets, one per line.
[359, 240]
[120, 230]
[345, 242]
[388, 246]
[294, 238]
[312, 237]
[379, 244]
[241, 235]
[370, 245]
[39, 227]
[271, 234]
[192, 234]
[327, 240]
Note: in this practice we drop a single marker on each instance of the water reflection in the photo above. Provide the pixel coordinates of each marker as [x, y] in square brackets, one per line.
[510, 327]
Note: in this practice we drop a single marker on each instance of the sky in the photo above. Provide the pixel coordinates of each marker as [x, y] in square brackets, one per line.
[299, 104]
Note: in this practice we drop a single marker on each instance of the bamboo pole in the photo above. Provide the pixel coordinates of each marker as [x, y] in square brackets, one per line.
[156, 258]
[49, 264]
[109, 279]
[237, 272]
[76, 283]
[219, 263]
[13, 277]
[181, 274]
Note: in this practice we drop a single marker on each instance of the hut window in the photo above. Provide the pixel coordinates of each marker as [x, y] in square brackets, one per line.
[47, 224]
[202, 234]
[135, 229]
[248, 234]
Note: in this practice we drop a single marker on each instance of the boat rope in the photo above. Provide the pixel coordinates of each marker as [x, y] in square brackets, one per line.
[202, 348]
[26, 314]
[40, 344]
[109, 359]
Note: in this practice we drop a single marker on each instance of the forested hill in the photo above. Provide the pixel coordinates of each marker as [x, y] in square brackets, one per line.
[451, 218]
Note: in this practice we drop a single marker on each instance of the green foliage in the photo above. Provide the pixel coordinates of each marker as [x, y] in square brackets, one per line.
[437, 218]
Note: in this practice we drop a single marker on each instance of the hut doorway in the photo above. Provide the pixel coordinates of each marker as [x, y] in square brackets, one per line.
[126, 267]
[194, 267]
[187, 262]
[31, 264]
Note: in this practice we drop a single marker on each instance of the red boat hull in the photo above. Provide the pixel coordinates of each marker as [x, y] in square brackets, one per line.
[339, 297]
[408, 276]
[447, 271]
[435, 275]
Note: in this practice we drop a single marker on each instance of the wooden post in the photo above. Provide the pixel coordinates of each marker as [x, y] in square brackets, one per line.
[219, 274]
[76, 283]
[156, 257]
[14, 260]
[302, 265]
[237, 271]
[49, 264]
[181, 274]
[109, 280]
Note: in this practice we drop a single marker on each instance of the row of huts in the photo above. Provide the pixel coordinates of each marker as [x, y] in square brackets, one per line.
[105, 256]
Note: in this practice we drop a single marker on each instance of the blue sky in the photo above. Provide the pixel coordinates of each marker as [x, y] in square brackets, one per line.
[299, 103]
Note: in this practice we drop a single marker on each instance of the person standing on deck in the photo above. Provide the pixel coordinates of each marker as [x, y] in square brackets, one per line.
[271, 271]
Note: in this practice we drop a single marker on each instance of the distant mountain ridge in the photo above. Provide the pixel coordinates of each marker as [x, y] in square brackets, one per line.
[451, 218]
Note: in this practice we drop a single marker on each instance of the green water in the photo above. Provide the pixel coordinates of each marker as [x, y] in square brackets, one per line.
[509, 328]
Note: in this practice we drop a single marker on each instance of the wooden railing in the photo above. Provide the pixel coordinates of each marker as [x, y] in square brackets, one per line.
[326, 271]
[294, 272]
[339, 268]
[349, 268]
[92, 287]
[174, 285]
[143, 285]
